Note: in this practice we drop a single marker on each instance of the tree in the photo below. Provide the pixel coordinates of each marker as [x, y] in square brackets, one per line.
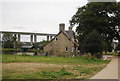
[93, 43]
[103, 17]
[8, 40]
[118, 47]
[43, 43]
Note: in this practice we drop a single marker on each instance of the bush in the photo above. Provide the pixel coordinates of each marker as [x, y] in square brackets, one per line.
[93, 43]
[25, 54]
[99, 55]
[62, 72]
[47, 74]
[88, 56]
[9, 51]
[54, 74]
[111, 53]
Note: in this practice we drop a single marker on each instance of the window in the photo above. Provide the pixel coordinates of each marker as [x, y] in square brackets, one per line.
[56, 39]
[66, 49]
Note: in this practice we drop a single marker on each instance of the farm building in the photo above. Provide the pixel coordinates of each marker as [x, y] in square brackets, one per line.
[63, 44]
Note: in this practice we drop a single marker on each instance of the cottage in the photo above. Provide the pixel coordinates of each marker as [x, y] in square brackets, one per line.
[63, 44]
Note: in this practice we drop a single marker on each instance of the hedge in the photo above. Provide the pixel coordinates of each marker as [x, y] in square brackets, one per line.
[8, 50]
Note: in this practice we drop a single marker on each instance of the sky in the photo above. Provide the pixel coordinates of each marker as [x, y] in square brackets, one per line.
[41, 16]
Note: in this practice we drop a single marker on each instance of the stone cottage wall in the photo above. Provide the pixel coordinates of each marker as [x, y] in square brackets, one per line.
[58, 45]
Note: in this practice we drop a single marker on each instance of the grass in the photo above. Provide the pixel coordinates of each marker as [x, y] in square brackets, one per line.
[37, 67]
[53, 60]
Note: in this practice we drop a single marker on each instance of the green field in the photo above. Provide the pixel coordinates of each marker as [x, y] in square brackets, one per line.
[37, 67]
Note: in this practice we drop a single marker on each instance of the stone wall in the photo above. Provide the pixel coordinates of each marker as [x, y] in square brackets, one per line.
[27, 53]
[57, 47]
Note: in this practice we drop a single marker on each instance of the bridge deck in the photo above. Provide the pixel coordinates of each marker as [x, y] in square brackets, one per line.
[28, 33]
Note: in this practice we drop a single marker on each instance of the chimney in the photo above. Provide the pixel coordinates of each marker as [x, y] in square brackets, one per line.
[70, 27]
[61, 27]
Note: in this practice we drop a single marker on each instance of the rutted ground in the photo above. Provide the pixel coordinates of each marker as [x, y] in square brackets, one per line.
[32, 70]
[50, 68]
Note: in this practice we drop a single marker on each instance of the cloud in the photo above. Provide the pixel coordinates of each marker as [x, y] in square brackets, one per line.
[43, 0]
[42, 17]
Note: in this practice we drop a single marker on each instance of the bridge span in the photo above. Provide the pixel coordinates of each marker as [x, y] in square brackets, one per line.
[33, 36]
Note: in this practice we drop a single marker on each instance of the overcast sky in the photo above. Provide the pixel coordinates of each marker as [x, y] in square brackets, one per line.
[41, 16]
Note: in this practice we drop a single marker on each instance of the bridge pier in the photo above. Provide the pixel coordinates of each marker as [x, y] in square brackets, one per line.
[15, 37]
[47, 38]
[18, 37]
[35, 38]
[31, 38]
[50, 37]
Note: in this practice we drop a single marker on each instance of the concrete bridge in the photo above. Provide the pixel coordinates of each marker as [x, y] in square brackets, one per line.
[33, 36]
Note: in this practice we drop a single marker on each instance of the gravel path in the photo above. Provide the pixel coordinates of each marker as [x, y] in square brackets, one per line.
[110, 71]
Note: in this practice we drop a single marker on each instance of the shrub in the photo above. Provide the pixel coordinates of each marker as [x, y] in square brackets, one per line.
[52, 75]
[99, 55]
[48, 74]
[93, 43]
[25, 54]
[87, 56]
[62, 72]
[9, 51]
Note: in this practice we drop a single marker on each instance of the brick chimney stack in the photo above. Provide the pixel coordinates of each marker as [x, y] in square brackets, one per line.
[61, 27]
[70, 27]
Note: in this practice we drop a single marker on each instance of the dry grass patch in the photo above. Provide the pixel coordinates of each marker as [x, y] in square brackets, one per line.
[40, 71]
[36, 67]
